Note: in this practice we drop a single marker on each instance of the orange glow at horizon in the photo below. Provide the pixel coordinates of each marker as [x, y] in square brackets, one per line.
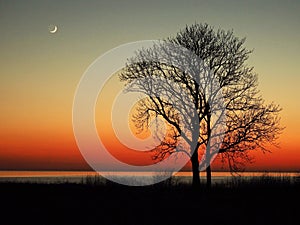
[276, 160]
[106, 132]
[50, 144]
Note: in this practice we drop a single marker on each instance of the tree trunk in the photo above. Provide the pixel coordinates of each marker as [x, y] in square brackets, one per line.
[195, 168]
[208, 154]
[208, 177]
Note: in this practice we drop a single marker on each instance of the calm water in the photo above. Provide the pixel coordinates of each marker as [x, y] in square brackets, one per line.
[83, 176]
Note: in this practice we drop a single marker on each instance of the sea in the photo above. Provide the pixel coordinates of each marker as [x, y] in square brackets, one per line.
[82, 177]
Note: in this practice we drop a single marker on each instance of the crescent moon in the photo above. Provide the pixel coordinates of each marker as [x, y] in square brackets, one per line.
[54, 30]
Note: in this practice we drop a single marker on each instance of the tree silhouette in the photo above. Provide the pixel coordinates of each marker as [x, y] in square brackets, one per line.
[198, 82]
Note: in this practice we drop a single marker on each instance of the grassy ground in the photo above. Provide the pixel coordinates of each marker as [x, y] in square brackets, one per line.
[263, 200]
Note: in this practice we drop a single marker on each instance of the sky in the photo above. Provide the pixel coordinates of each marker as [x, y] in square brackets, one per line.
[40, 71]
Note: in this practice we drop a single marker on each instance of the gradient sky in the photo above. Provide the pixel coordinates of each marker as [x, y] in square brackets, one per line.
[39, 71]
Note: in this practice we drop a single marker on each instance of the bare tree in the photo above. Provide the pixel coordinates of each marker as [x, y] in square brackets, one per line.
[210, 102]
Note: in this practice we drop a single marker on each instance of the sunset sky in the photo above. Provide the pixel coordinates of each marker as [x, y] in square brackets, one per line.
[39, 71]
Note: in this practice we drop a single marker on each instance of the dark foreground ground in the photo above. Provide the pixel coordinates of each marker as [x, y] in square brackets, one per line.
[111, 204]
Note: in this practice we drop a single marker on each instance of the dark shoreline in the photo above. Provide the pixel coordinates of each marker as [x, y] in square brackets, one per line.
[269, 201]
